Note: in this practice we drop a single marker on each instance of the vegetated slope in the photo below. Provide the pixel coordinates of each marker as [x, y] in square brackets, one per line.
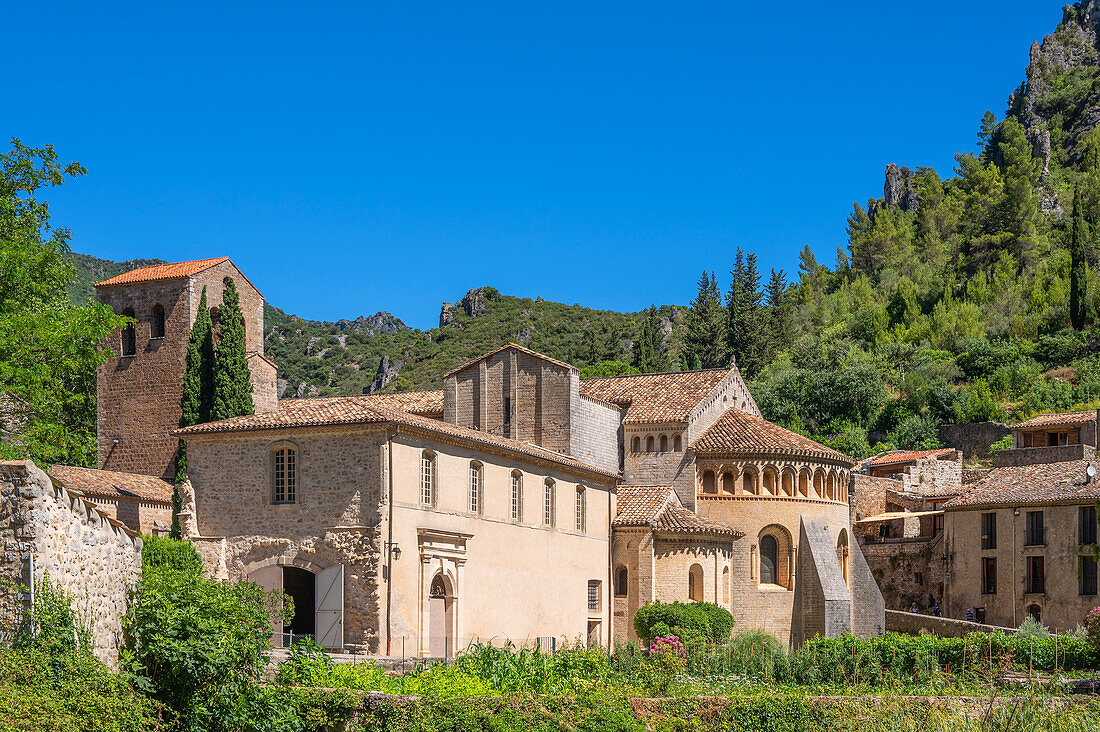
[90, 270]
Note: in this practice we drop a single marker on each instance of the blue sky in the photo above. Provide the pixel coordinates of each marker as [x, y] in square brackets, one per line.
[363, 156]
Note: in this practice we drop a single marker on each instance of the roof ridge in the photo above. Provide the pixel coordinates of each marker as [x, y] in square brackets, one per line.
[656, 373]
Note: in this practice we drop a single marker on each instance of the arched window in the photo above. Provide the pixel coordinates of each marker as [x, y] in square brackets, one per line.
[1035, 612]
[804, 483]
[156, 323]
[708, 482]
[833, 494]
[664, 443]
[649, 444]
[728, 484]
[549, 511]
[769, 560]
[695, 583]
[725, 586]
[748, 481]
[819, 483]
[788, 482]
[677, 444]
[842, 553]
[284, 474]
[770, 481]
[475, 488]
[581, 509]
[427, 478]
[636, 444]
[129, 335]
[620, 582]
[517, 495]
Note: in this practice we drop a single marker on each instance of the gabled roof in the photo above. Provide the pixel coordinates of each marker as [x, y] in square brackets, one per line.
[902, 456]
[111, 484]
[371, 409]
[153, 273]
[655, 398]
[512, 346]
[740, 432]
[1058, 418]
[659, 508]
[1060, 482]
[426, 402]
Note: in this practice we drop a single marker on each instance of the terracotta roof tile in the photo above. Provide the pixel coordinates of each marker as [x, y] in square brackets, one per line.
[1030, 485]
[506, 347]
[155, 272]
[740, 432]
[658, 508]
[427, 402]
[902, 456]
[1059, 418]
[655, 398]
[111, 484]
[369, 409]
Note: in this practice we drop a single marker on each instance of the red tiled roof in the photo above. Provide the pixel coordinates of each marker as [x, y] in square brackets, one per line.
[1030, 485]
[903, 456]
[368, 409]
[111, 484]
[655, 398]
[516, 347]
[173, 271]
[740, 432]
[658, 508]
[1059, 418]
[427, 402]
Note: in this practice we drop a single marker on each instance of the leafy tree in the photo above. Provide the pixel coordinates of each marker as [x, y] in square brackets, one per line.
[1078, 268]
[232, 382]
[705, 337]
[50, 348]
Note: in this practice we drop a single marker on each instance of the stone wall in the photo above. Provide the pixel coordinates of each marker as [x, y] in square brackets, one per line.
[868, 495]
[932, 474]
[732, 392]
[139, 516]
[822, 605]
[916, 624]
[974, 440]
[671, 467]
[907, 571]
[1039, 455]
[594, 433]
[83, 553]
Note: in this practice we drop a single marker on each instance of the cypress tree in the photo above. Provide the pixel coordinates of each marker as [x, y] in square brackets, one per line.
[660, 359]
[198, 394]
[643, 349]
[744, 337]
[1078, 267]
[232, 385]
[705, 332]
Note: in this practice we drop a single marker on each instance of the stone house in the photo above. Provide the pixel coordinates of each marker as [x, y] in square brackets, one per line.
[143, 503]
[488, 510]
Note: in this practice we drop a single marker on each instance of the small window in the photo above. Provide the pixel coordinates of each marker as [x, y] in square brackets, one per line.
[1036, 612]
[129, 335]
[475, 488]
[1087, 573]
[620, 582]
[285, 475]
[664, 443]
[708, 482]
[989, 531]
[649, 444]
[1036, 576]
[1086, 525]
[1034, 534]
[582, 509]
[593, 596]
[427, 479]
[989, 576]
[548, 508]
[677, 444]
[769, 560]
[517, 495]
[695, 583]
[918, 577]
[156, 323]
[636, 444]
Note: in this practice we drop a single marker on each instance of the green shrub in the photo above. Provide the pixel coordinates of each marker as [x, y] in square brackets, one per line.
[160, 551]
[692, 622]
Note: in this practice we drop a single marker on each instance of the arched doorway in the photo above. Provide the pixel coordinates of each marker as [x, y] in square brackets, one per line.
[301, 585]
[1036, 612]
[440, 618]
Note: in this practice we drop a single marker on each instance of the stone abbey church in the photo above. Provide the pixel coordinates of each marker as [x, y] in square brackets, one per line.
[518, 503]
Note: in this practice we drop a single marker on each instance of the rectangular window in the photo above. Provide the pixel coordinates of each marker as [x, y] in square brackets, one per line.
[1086, 570]
[284, 476]
[1086, 525]
[1036, 576]
[1035, 533]
[427, 479]
[517, 497]
[593, 596]
[989, 531]
[548, 505]
[475, 488]
[280, 476]
[582, 518]
[989, 576]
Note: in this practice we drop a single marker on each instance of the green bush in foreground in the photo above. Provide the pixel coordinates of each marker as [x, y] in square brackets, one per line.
[691, 622]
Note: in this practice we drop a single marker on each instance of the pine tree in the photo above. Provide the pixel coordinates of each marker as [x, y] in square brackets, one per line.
[1078, 274]
[807, 262]
[643, 349]
[779, 314]
[744, 339]
[232, 384]
[704, 336]
[197, 401]
[987, 136]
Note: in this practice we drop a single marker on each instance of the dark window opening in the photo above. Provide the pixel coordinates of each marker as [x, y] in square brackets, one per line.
[620, 582]
[769, 560]
[300, 585]
[156, 323]
[1034, 534]
[1086, 525]
[1087, 573]
[989, 576]
[1035, 612]
[1036, 576]
[989, 531]
[129, 335]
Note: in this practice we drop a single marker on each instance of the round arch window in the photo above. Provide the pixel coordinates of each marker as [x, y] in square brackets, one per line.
[769, 560]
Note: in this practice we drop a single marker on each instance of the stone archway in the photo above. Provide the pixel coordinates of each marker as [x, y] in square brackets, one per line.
[441, 600]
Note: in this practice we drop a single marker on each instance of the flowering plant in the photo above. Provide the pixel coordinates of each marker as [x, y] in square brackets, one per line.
[665, 660]
[668, 644]
[1092, 625]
